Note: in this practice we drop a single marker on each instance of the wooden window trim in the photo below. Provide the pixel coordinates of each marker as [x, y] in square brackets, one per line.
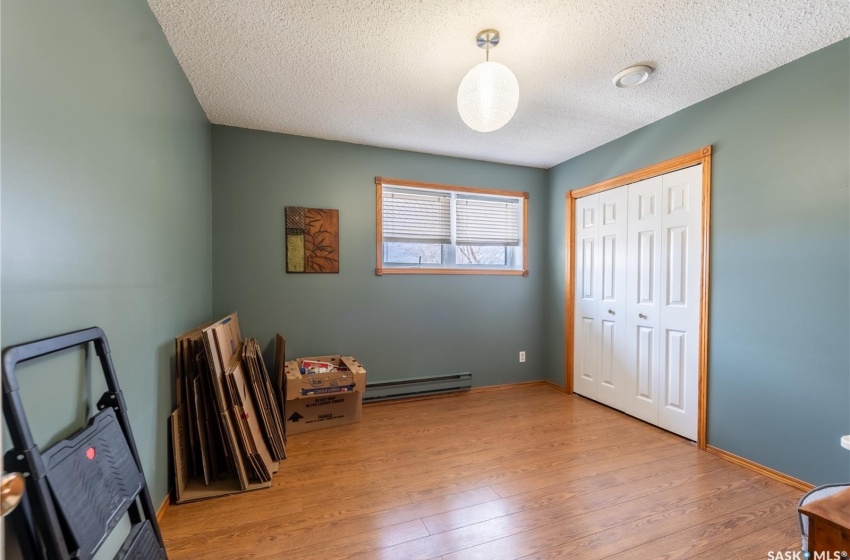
[703, 156]
[379, 245]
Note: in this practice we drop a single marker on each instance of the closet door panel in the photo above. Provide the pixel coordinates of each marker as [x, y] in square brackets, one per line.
[645, 363]
[587, 295]
[643, 302]
[681, 225]
[613, 230]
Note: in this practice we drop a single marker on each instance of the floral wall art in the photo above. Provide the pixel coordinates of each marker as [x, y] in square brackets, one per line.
[312, 240]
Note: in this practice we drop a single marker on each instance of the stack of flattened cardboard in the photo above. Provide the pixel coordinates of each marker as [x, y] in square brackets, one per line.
[261, 388]
[226, 432]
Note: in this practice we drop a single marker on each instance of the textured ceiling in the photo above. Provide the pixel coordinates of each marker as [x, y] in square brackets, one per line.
[386, 72]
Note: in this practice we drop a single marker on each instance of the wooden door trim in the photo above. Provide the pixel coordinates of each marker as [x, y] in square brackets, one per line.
[703, 156]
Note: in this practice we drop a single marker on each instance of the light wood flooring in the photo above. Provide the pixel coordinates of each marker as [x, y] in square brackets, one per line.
[522, 472]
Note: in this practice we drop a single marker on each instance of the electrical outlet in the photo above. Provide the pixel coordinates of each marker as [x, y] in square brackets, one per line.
[522, 356]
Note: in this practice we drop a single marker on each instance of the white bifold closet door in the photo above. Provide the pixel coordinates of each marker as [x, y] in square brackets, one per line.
[600, 310]
[681, 258]
[586, 358]
[637, 299]
[643, 308]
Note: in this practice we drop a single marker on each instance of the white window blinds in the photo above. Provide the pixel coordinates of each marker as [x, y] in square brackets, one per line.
[487, 221]
[416, 217]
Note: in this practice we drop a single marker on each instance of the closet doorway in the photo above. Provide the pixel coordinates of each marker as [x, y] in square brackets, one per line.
[637, 293]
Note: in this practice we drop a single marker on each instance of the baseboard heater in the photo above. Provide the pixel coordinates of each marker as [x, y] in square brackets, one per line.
[417, 387]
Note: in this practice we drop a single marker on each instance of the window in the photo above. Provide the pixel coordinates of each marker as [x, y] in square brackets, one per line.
[441, 229]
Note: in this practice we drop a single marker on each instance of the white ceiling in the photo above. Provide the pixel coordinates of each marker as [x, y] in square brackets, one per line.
[386, 72]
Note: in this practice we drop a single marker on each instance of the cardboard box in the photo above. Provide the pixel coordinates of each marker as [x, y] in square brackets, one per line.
[326, 411]
[351, 379]
[323, 400]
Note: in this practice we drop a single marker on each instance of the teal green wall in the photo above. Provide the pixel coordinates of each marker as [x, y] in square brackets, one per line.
[398, 326]
[779, 336]
[105, 206]
[111, 175]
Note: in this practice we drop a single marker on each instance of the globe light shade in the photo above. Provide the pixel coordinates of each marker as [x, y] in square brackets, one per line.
[487, 97]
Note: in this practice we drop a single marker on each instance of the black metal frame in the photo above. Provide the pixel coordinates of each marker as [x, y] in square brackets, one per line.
[39, 520]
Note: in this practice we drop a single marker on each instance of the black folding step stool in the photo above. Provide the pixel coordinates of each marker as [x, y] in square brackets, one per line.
[79, 488]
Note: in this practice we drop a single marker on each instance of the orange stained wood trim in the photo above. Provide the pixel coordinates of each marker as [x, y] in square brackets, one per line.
[160, 513]
[417, 398]
[379, 225]
[761, 469]
[456, 188]
[553, 386]
[660, 168]
[468, 271]
[379, 236]
[703, 156]
[702, 405]
[525, 235]
[474, 390]
[569, 313]
[507, 386]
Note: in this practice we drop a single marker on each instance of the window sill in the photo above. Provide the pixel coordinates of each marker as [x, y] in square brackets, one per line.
[467, 271]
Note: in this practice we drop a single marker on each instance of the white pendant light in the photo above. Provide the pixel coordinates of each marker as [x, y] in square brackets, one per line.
[489, 93]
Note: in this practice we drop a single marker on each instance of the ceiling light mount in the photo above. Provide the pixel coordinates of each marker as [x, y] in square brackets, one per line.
[489, 93]
[487, 39]
[632, 76]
